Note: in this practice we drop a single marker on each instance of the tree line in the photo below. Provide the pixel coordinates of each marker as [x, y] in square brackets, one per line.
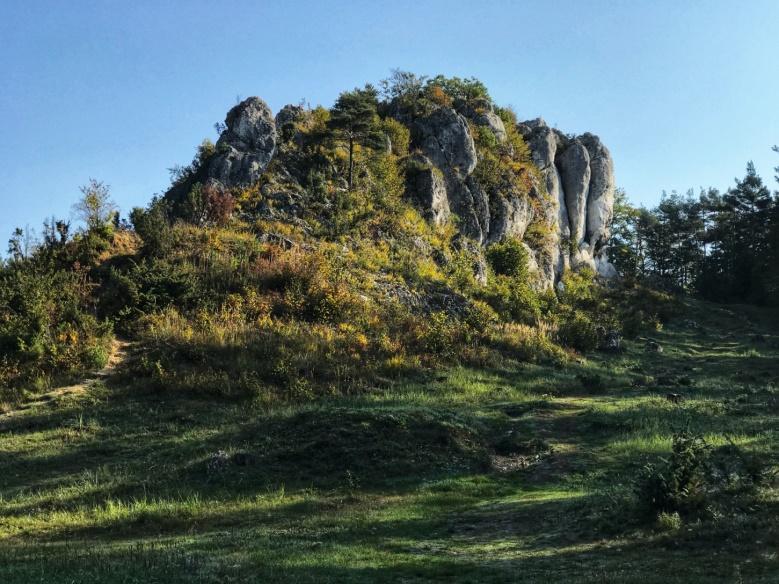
[722, 246]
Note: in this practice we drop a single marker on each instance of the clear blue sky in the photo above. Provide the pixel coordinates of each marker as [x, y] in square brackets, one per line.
[682, 92]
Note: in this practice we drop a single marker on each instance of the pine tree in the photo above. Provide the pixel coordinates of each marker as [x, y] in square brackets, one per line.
[353, 119]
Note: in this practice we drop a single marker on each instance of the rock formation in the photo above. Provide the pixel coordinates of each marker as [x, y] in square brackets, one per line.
[573, 199]
[579, 174]
[247, 145]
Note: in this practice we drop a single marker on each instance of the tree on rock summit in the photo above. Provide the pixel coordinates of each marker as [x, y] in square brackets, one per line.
[353, 119]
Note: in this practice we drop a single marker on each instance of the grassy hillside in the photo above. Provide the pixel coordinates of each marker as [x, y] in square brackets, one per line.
[511, 472]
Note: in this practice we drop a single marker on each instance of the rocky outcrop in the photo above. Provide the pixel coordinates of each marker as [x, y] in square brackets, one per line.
[445, 139]
[571, 203]
[286, 119]
[573, 164]
[579, 175]
[492, 121]
[425, 184]
[511, 216]
[247, 145]
[600, 201]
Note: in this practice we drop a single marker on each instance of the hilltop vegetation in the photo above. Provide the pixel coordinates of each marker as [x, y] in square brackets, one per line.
[318, 278]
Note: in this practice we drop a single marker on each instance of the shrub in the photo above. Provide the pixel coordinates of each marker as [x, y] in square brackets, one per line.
[509, 258]
[669, 521]
[576, 330]
[399, 135]
[579, 288]
[525, 343]
[46, 327]
[153, 225]
[439, 335]
[677, 486]
[480, 316]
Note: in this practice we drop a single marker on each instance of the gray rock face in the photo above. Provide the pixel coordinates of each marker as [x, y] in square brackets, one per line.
[482, 113]
[574, 166]
[511, 216]
[600, 202]
[492, 121]
[471, 205]
[446, 141]
[444, 138]
[286, 118]
[425, 185]
[579, 175]
[247, 146]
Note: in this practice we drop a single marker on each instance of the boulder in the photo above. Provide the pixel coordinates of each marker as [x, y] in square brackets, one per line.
[247, 146]
[612, 341]
[492, 121]
[603, 267]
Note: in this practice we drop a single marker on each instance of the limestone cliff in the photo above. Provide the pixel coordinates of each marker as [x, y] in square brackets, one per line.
[570, 197]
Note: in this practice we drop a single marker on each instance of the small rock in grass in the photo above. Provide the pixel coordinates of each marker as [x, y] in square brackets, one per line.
[612, 342]
[653, 347]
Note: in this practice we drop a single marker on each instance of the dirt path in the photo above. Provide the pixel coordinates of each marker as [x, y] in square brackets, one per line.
[119, 351]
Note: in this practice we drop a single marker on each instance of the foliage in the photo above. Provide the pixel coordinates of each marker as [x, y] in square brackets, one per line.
[353, 119]
[680, 485]
[46, 328]
[722, 246]
[95, 208]
[577, 330]
[509, 258]
[469, 91]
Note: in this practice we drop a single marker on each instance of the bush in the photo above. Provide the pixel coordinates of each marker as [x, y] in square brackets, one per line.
[45, 323]
[576, 330]
[579, 289]
[509, 258]
[399, 135]
[526, 343]
[669, 521]
[514, 300]
[679, 485]
[153, 225]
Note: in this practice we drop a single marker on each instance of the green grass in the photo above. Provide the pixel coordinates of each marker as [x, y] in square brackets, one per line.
[401, 484]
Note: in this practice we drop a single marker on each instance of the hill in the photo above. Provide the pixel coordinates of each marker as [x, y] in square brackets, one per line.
[384, 342]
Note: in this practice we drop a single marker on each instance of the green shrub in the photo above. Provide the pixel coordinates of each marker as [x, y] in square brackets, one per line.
[669, 521]
[46, 325]
[508, 258]
[678, 485]
[576, 330]
[579, 289]
[439, 335]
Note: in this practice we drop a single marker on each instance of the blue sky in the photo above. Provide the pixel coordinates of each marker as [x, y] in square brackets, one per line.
[682, 92]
